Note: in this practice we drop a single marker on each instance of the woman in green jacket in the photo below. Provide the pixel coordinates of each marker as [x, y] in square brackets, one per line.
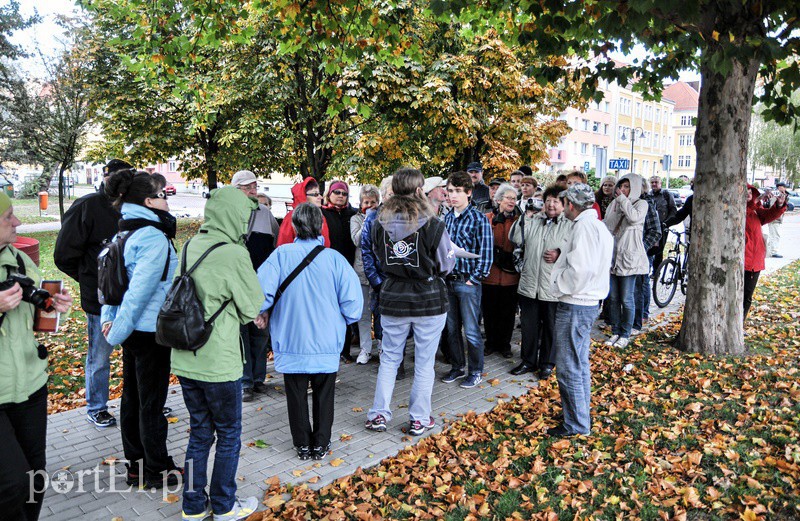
[23, 381]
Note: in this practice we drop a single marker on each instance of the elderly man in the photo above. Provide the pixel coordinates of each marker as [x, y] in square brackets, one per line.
[579, 280]
[665, 206]
[480, 192]
[261, 239]
[435, 192]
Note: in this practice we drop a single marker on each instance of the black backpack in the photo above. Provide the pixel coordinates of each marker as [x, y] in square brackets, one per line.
[112, 276]
[181, 321]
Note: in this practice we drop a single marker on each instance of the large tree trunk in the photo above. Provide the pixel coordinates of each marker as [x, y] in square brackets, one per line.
[712, 319]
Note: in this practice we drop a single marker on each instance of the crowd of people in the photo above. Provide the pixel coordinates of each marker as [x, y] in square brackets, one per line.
[426, 259]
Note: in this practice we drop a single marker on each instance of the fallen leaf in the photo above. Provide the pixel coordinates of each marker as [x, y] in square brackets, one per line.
[336, 462]
[172, 498]
[172, 419]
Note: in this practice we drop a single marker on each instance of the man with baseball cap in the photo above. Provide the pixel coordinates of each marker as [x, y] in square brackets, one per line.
[88, 222]
[580, 279]
[480, 192]
[436, 194]
[261, 239]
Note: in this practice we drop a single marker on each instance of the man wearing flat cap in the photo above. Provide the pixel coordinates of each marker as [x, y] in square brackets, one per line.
[580, 279]
[480, 192]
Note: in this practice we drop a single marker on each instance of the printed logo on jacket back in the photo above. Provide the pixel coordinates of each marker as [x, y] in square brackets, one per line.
[404, 252]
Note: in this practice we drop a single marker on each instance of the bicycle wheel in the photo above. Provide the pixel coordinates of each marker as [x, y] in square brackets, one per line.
[666, 282]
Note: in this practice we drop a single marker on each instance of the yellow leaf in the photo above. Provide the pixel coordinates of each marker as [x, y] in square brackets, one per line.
[172, 498]
[172, 419]
[274, 501]
[749, 515]
[336, 462]
[313, 479]
[715, 35]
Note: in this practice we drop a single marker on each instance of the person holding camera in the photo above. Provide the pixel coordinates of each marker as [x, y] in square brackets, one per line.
[23, 376]
[150, 261]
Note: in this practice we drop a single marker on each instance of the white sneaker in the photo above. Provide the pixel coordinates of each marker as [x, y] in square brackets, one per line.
[622, 343]
[241, 510]
[611, 340]
[363, 357]
[635, 332]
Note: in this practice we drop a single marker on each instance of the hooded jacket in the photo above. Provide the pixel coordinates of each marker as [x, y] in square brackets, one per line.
[534, 281]
[147, 251]
[308, 322]
[503, 250]
[755, 250]
[225, 274]
[625, 220]
[88, 222]
[22, 373]
[414, 256]
[286, 234]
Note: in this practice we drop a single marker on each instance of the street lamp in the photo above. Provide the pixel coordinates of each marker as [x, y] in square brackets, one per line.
[633, 140]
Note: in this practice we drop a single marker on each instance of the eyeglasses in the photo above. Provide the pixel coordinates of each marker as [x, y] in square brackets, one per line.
[339, 192]
[312, 194]
[510, 198]
[159, 195]
[608, 184]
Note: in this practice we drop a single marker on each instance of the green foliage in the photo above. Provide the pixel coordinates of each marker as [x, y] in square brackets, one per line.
[776, 146]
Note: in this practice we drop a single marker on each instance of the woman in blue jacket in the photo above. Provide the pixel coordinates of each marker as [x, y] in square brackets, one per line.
[307, 326]
[150, 261]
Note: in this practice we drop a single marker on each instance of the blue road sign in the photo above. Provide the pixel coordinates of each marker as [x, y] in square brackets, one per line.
[619, 164]
[586, 166]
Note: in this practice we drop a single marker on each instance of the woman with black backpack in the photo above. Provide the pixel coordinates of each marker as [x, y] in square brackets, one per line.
[147, 229]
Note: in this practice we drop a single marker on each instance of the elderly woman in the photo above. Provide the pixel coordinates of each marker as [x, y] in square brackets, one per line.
[499, 292]
[541, 235]
[369, 198]
[605, 194]
[625, 219]
[307, 333]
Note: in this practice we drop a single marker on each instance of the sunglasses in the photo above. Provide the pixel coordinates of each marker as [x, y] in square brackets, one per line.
[312, 194]
[339, 192]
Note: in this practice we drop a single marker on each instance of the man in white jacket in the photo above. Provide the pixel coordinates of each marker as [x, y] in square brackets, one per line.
[580, 280]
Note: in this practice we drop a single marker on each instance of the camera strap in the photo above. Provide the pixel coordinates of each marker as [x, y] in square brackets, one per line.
[21, 271]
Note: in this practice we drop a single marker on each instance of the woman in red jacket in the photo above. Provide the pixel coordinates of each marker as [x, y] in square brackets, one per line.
[306, 191]
[754, 248]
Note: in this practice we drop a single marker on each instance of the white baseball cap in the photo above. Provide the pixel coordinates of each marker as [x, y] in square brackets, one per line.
[243, 177]
[431, 183]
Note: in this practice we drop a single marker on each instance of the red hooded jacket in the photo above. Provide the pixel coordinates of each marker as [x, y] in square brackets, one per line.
[755, 250]
[286, 234]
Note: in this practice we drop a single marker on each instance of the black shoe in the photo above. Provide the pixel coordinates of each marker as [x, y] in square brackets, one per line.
[160, 480]
[166, 411]
[346, 358]
[544, 374]
[304, 452]
[247, 395]
[522, 369]
[102, 419]
[559, 432]
[401, 371]
[487, 351]
[318, 453]
[507, 354]
[259, 388]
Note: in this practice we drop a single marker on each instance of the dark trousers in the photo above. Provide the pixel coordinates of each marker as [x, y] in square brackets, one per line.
[750, 283]
[538, 318]
[659, 254]
[214, 408]
[499, 305]
[348, 339]
[23, 431]
[145, 376]
[254, 341]
[322, 391]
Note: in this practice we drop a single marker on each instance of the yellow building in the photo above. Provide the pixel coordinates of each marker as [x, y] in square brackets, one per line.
[686, 98]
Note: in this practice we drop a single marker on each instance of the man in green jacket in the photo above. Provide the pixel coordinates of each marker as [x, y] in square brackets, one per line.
[23, 381]
[211, 377]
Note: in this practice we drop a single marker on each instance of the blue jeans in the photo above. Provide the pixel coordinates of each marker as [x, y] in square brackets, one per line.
[571, 343]
[426, 341]
[98, 366]
[622, 304]
[465, 308]
[642, 292]
[214, 407]
[255, 342]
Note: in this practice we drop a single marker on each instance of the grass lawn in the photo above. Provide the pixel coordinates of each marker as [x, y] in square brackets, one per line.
[68, 347]
[674, 436]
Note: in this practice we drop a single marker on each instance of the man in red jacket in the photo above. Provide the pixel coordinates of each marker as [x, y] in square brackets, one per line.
[754, 248]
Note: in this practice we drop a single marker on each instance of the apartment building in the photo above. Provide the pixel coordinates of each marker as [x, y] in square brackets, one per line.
[686, 97]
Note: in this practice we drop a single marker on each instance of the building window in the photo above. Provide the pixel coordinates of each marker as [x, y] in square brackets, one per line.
[584, 148]
[648, 112]
[657, 141]
[623, 133]
[607, 106]
[172, 166]
[684, 161]
[645, 165]
[686, 121]
[625, 106]
[635, 165]
[638, 109]
[584, 124]
[658, 115]
[605, 129]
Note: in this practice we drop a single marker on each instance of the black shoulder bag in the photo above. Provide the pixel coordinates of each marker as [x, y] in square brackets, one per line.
[293, 275]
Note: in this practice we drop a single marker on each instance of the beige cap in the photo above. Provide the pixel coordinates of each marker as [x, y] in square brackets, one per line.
[243, 177]
[433, 182]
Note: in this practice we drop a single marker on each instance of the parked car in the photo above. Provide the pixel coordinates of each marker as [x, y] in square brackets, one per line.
[794, 198]
[170, 189]
[680, 195]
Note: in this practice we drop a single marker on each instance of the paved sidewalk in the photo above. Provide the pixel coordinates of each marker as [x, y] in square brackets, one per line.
[80, 448]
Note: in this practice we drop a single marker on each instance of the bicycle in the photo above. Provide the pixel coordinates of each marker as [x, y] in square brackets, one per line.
[672, 272]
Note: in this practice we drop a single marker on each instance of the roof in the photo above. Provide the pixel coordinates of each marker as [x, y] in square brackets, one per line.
[684, 96]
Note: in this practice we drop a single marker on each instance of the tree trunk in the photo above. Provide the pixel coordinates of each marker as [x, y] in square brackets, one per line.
[712, 319]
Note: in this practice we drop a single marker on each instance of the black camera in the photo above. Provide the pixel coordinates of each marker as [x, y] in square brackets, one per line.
[40, 298]
[534, 205]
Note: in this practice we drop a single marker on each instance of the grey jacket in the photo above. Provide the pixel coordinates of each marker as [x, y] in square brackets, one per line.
[625, 220]
[356, 226]
[534, 281]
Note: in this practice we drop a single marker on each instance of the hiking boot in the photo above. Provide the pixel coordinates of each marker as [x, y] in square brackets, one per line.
[453, 375]
[247, 395]
[611, 340]
[377, 424]
[471, 381]
[416, 427]
[303, 452]
[102, 419]
[318, 453]
[241, 510]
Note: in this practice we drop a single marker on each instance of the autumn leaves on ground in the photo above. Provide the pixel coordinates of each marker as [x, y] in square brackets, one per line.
[675, 436]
